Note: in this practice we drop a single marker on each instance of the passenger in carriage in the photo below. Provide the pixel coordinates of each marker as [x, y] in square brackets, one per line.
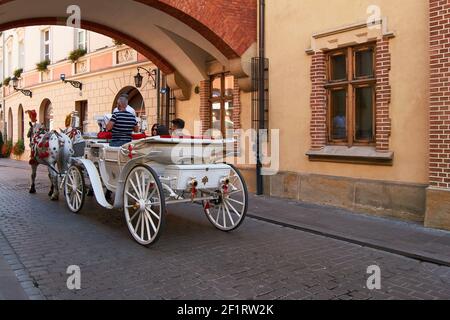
[177, 127]
[159, 130]
[129, 108]
[122, 124]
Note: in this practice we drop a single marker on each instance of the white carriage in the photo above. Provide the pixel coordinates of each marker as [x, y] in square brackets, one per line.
[148, 174]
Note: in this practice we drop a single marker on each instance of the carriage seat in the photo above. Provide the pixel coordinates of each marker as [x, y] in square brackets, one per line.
[108, 136]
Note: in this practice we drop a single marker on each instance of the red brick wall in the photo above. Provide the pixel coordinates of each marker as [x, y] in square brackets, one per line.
[318, 127]
[439, 93]
[229, 24]
[205, 109]
[383, 98]
[236, 106]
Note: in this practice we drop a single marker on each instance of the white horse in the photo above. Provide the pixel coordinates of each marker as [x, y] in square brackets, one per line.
[51, 149]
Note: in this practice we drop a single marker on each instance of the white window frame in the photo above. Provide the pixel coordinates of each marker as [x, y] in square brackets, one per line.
[78, 44]
[45, 43]
[21, 62]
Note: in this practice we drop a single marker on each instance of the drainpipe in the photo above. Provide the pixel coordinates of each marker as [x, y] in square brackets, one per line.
[261, 98]
[158, 94]
[5, 134]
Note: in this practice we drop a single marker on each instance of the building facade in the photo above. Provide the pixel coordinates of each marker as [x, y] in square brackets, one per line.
[357, 89]
[106, 70]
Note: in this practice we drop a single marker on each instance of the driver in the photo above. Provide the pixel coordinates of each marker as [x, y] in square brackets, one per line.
[122, 124]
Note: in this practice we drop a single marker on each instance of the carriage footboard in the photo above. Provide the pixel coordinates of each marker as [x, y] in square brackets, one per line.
[96, 182]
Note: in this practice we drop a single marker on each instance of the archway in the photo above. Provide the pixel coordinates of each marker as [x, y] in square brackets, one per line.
[21, 123]
[10, 125]
[46, 114]
[135, 100]
[180, 37]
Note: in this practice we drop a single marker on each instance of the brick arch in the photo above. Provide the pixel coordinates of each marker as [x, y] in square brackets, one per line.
[230, 25]
[165, 66]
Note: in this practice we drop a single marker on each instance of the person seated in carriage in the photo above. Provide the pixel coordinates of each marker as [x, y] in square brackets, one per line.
[159, 130]
[177, 127]
[122, 124]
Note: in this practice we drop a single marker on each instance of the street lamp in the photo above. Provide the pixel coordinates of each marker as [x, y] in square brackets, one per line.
[15, 84]
[151, 74]
[75, 84]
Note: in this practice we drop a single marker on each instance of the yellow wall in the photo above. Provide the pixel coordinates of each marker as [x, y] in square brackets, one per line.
[189, 111]
[290, 25]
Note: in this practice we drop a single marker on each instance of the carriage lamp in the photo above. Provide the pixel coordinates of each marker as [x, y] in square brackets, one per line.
[15, 84]
[75, 84]
[138, 78]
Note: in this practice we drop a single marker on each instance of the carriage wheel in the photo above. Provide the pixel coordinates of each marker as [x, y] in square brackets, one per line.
[144, 205]
[74, 189]
[227, 211]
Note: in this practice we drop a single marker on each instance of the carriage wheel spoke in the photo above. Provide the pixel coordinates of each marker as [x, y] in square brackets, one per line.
[218, 214]
[137, 224]
[133, 197]
[232, 208]
[147, 226]
[143, 184]
[142, 225]
[147, 190]
[228, 212]
[134, 187]
[71, 179]
[235, 201]
[138, 185]
[134, 215]
[223, 214]
[151, 221]
[149, 197]
[234, 192]
[152, 212]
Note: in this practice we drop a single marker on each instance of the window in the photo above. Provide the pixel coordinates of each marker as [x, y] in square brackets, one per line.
[48, 116]
[21, 54]
[10, 63]
[351, 95]
[222, 86]
[81, 107]
[46, 44]
[81, 39]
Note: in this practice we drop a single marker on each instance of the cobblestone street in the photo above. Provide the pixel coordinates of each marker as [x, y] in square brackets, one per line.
[192, 260]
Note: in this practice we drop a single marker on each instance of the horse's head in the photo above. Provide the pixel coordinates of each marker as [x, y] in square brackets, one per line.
[37, 128]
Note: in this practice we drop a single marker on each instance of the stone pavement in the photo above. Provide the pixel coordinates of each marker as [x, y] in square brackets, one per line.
[10, 287]
[193, 260]
[404, 238]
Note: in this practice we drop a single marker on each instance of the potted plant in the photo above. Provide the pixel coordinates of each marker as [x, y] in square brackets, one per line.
[18, 73]
[6, 149]
[19, 149]
[117, 42]
[76, 54]
[1, 143]
[43, 65]
[6, 81]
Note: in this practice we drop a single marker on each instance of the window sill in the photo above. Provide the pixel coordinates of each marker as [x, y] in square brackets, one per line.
[357, 155]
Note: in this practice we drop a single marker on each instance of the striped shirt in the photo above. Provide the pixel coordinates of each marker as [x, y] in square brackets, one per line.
[124, 123]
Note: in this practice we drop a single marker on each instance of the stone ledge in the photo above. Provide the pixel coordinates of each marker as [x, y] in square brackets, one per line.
[361, 155]
[400, 200]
